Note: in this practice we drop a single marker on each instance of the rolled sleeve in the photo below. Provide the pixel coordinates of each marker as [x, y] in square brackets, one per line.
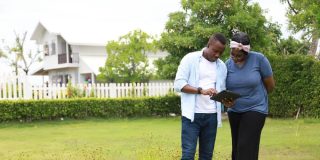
[179, 84]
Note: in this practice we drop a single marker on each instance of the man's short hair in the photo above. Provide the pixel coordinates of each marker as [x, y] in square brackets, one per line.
[218, 37]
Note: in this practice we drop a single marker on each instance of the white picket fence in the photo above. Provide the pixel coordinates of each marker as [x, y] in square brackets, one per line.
[13, 87]
[18, 87]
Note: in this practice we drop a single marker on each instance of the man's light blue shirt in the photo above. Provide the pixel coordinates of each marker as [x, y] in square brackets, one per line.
[188, 73]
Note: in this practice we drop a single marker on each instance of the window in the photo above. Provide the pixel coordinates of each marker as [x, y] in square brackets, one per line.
[46, 49]
[53, 48]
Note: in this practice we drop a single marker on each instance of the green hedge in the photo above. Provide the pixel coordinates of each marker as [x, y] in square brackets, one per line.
[29, 110]
[297, 86]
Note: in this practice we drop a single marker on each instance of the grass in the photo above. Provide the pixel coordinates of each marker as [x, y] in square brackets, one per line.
[144, 139]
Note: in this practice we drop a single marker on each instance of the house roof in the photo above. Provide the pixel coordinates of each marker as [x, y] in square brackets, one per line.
[38, 71]
[39, 31]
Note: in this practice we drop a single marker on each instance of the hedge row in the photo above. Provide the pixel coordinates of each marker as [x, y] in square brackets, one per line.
[297, 86]
[29, 110]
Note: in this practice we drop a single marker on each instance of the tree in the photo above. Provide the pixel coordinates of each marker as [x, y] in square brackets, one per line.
[2, 49]
[127, 60]
[189, 30]
[304, 15]
[18, 58]
[2, 54]
[292, 46]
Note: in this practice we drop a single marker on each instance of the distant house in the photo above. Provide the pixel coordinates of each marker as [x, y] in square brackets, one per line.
[70, 60]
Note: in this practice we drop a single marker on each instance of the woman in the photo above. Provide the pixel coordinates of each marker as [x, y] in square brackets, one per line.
[249, 74]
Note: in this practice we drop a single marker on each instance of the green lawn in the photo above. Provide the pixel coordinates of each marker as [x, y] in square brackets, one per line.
[146, 139]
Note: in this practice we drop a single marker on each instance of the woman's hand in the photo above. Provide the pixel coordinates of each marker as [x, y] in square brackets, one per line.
[228, 102]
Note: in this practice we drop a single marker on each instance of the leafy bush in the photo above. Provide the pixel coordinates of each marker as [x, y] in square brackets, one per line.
[297, 86]
[74, 91]
[29, 110]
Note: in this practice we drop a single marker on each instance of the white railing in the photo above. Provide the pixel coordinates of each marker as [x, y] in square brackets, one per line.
[18, 87]
[14, 87]
[107, 90]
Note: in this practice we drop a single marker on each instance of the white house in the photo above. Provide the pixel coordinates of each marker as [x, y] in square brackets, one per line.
[66, 59]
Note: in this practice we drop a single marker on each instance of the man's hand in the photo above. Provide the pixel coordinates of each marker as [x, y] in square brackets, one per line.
[228, 102]
[193, 90]
[210, 92]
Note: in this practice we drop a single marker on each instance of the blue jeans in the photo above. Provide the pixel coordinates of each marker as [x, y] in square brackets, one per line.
[203, 127]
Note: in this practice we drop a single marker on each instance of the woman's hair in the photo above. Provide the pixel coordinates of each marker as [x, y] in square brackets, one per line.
[241, 37]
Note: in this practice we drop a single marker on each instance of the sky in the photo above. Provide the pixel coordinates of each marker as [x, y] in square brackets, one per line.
[108, 19]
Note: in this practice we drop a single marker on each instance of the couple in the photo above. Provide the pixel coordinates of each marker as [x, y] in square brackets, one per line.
[202, 74]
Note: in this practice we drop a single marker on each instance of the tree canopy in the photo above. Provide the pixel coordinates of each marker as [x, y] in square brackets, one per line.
[292, 46]
[127, 60]
[304, 15]
[190, 29]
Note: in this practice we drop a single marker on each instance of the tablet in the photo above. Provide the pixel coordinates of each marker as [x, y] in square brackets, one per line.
[225, 94]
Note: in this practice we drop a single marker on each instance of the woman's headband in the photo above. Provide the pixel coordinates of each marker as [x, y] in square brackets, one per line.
[234, 44]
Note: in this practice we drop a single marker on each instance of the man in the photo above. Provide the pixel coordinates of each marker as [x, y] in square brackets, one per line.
[201, 74]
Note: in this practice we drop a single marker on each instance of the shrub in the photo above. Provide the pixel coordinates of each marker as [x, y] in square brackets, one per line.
[29, 110]
[297, 80]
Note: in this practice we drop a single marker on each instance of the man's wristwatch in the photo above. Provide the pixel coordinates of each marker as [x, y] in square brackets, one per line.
[199, 90]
